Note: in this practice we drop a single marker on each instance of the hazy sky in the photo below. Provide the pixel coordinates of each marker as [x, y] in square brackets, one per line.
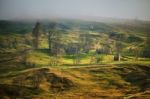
[43, 9]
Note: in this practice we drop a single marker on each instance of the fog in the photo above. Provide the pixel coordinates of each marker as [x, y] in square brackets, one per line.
[46, 9]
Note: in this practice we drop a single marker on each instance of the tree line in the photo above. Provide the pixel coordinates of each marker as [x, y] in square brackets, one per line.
[83, 45]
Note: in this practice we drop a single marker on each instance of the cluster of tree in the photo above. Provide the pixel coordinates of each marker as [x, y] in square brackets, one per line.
[83, 45]
[57, 48]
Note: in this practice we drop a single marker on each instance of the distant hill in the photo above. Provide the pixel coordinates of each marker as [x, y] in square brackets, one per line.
[132, 32]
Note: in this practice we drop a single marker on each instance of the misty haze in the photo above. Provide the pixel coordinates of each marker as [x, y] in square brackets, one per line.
[74, 49]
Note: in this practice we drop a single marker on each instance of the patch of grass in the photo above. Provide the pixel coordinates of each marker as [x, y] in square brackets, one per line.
[39, 58]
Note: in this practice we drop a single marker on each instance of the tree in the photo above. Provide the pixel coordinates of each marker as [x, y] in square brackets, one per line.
[50, 41]
[51, 36]
[77, 53]
[56, 44]
[105, 49]
[119, 47]
[85, 41]
[118, 50]
[56, 47]
[36, 35]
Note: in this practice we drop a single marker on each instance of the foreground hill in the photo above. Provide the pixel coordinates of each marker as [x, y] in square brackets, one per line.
[122, 81]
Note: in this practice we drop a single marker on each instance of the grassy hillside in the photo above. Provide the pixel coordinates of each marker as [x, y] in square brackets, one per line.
[122, 80]
[82, 64]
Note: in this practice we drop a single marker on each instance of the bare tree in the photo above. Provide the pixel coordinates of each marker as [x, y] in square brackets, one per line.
[119, 47]
[85, 41]
[51, 36]
[50, 41]
[36, 35]
[77, 58]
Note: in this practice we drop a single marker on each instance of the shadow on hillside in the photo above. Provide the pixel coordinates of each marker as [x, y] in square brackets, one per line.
[16, 91]
[44, 50]
[44, 75]
[137, 75]
[29, 84]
